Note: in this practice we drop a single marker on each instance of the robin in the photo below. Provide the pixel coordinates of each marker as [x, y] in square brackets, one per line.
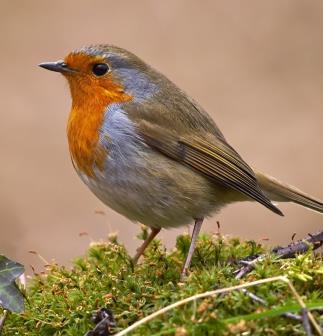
[150, 152]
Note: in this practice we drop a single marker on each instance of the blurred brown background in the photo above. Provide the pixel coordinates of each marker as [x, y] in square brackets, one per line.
[257, 67]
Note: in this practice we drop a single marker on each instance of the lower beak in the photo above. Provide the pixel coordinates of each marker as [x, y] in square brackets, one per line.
[58, 66]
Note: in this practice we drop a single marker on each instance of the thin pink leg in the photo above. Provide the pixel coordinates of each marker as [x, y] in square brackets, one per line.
[195, 233]
[154, 232]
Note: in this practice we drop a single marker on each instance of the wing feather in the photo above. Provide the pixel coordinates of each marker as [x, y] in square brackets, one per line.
[217, 160]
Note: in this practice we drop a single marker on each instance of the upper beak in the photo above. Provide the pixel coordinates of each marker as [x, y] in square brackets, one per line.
[58, 66]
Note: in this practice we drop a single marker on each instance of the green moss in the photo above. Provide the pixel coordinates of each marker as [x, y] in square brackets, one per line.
[61, 302]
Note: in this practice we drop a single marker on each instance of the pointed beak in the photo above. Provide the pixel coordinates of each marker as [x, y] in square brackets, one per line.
[58, 66]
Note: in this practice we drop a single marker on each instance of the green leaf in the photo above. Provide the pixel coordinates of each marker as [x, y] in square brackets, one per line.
[10, 296]
[277, 311]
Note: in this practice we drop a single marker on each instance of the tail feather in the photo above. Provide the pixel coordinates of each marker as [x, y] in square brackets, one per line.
[282, 192]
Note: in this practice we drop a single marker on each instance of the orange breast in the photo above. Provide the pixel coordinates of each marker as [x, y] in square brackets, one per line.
[90, 101]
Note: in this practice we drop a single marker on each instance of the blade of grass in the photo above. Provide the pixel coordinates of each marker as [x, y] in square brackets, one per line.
[277, 311]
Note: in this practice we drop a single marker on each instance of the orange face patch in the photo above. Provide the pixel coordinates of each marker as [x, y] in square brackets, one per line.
[91, 96]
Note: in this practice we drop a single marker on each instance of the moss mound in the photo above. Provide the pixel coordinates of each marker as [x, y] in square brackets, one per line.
[62, 301]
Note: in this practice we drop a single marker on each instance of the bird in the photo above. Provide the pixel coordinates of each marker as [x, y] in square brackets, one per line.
[150, 152]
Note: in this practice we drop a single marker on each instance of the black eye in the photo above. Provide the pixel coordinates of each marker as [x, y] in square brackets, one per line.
[100, 69]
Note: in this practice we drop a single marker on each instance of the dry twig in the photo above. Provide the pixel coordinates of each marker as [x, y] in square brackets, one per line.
[301, 246]
[306, 323]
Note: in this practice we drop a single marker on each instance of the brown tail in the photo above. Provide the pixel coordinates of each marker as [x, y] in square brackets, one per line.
[281, 192]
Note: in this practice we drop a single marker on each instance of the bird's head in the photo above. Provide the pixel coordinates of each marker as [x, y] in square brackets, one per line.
[105, 72]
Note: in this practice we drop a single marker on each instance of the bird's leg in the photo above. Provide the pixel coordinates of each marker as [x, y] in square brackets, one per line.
[140, 250]
[195, 233]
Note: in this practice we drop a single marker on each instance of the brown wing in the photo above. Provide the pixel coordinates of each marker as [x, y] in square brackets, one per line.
[215, 159]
